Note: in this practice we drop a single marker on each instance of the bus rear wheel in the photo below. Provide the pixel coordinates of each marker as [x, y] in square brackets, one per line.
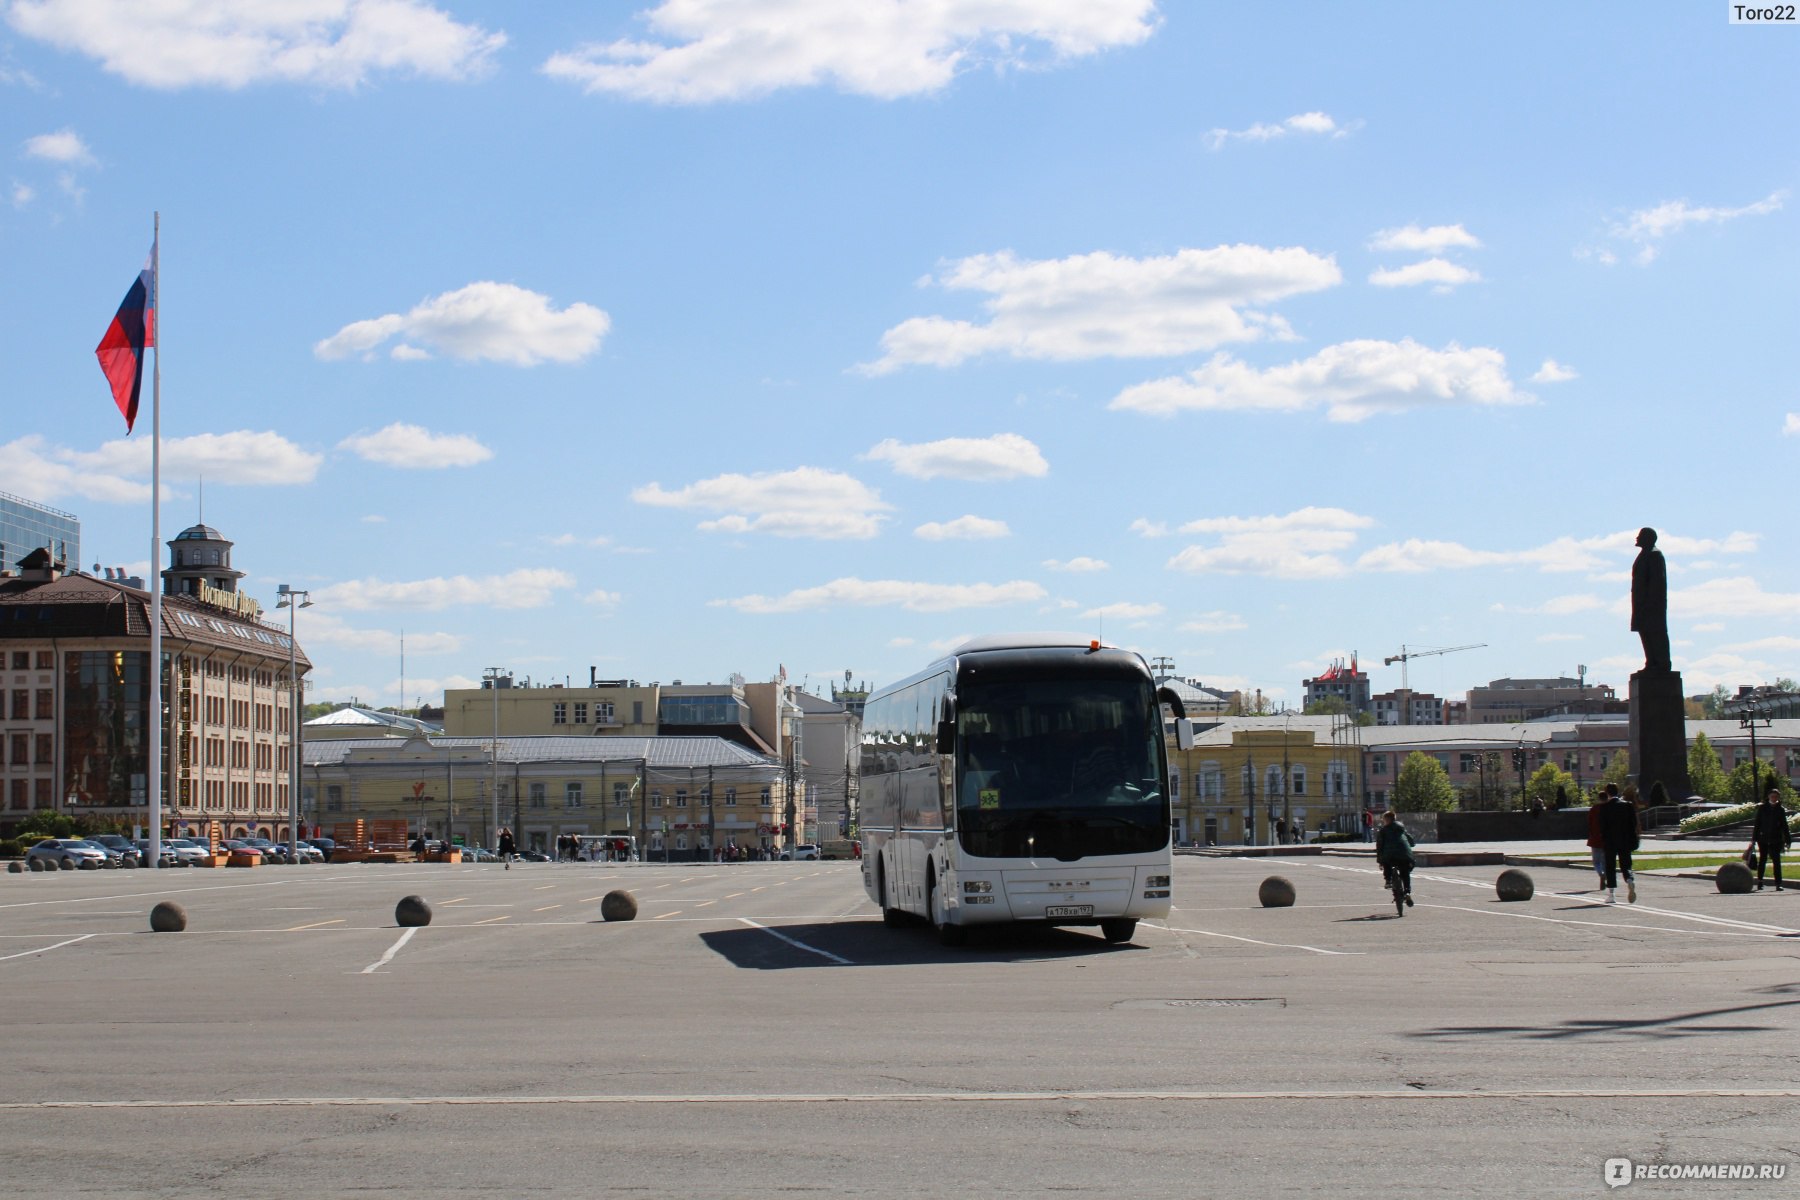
[1117, 930]
[949, 934]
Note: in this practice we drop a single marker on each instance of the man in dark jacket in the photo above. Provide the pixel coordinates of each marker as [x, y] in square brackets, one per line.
[1619, 835]
[1394, 851]
[1770, 836]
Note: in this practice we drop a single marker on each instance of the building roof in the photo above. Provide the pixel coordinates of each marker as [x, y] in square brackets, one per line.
[354, 715]
[75, 605]
[203, 533]
[657, 753]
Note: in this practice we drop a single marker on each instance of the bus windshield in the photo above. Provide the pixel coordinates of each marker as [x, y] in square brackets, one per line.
[1059, 768]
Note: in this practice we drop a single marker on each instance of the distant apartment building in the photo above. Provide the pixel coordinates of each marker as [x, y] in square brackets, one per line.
[1402, 707]
[1346, 683]
[26, 526]
[1504, 701]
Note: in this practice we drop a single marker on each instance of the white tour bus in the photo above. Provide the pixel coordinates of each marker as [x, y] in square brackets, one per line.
[1023, 778]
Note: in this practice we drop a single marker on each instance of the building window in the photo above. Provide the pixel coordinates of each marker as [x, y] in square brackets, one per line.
[1272, 781]
[730, 797]
[536, 796]
[21, 705]
[21, 749]
[1174, 785]
[656, 799]
[621, 795]
[581, 712]
[1299, 780]
[559, 713]
[46, 749]
[334, 798]
[46, 660]
[1378, 765]
[21, 660]
[603, 712]
[572, 794]
[765, 797]
[680, 797]
[19, 797]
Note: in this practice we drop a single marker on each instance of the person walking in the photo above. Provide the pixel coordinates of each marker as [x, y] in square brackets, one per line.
[1394, 851]
[508, 847]
[1770, 836]
[1619, 832]
[1597, 836]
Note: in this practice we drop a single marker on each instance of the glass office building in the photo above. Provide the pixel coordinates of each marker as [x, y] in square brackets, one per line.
[25, 526]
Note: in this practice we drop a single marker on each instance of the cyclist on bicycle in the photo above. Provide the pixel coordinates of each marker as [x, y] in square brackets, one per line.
[1394, 851]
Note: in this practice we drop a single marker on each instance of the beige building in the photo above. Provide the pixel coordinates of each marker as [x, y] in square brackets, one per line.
[681, 797]
[1246, 773]
[74, 658]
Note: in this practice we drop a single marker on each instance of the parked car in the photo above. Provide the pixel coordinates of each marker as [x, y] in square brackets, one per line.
[185, 851]
[53, 852]
[804, 852]
[270, 851]
[323, 845]
[169, 857]
[117, 844]
[240, 846]
[304, 852]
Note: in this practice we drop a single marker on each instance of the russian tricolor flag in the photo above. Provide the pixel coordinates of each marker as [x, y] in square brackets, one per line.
[133, 330]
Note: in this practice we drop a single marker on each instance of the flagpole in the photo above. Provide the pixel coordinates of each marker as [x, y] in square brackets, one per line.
[156, 715]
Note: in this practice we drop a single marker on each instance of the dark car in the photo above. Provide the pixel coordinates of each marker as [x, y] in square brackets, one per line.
[325, 846]
[117, 847]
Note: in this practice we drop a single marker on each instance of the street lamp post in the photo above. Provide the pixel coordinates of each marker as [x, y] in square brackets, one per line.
[1753, 716]
[293, 599]
[492, 676]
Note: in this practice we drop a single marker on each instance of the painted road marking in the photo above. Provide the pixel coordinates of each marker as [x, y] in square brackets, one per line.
[1234, 937]
[1050, 1097]
[46, 949]
[392, 950]
[316, 924]
[795, 942]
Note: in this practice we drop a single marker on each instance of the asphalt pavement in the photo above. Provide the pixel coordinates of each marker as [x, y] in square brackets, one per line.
[757, 1031]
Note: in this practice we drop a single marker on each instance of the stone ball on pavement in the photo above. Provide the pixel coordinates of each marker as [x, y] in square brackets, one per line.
[168, 917]
[15, 867]
[1514, 884]
[1735, 878]
[1276, 892]
[412, 910]
[618, 905]
[68, 864]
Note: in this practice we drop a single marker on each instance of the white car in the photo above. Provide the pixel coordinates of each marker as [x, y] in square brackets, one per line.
[804, 852]
[186, 852]
[54, 852]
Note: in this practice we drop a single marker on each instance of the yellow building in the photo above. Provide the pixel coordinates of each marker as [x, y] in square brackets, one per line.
[1248, 777]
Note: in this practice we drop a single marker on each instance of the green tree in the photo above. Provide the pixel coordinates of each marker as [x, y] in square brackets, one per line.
[43, 823]
[1746, 785]
[1715, 702]
[1326, 706]
[1543, 784]
[1705, 773]
[1423, 786]
[1618, 769]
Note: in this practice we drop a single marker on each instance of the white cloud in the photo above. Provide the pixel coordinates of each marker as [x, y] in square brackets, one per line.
[1791, 426]
[570, 539]
[496, 322]
[1417, 555]
[1554, 372]
[1434, 239]
[1649, 226]
[527, 587]
[1738, 597]
[871, 593]
[804, 502]
[1003, 456]
[1217, 621]
[705, 51]
[1351, 381]
[63, 146]
[1303, 544]
[965, 528]
[324, 43]
[415, 447]
[601, 598]
[1145, 527]
[1099, 305]
[1078, 565]
[1441, 273]
[22, 194]
[319, 627]
[1563, 554]
[1125, 611]
[119, 471]
[1314, 123]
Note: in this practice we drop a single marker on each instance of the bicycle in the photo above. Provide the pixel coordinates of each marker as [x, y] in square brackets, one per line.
[1396, 882]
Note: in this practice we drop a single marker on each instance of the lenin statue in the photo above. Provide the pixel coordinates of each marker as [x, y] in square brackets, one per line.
[1650, 602]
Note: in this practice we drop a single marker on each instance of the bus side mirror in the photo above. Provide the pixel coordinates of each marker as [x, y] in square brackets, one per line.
[946, 737]
[1184, 734]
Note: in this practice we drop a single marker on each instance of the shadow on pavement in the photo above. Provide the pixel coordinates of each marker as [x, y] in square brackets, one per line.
[872, 944]
[1679, 1025]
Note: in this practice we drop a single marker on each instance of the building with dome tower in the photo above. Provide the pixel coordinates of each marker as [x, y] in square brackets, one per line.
[74, 662]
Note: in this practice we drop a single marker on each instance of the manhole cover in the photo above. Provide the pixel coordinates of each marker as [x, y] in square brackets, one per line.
[1207, 1002]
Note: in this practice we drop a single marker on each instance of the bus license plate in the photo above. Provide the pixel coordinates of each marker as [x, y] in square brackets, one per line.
[1069, 910]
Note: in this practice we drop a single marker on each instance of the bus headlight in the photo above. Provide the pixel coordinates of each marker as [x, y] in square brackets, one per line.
[1157, 881]
[973, 887]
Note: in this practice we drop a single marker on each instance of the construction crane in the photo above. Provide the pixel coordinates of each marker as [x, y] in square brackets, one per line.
[1406, 655]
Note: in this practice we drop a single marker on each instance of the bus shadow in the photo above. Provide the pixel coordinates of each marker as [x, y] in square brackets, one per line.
[872, 944]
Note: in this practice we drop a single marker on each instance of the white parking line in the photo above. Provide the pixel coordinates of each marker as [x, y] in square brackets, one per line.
[46, 949]
[1254, 941]
[392, 950]
[796, 943]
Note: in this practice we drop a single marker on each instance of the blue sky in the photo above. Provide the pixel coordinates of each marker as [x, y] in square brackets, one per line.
[709, 336]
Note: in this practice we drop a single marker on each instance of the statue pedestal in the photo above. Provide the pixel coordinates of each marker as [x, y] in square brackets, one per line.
[1659, 734]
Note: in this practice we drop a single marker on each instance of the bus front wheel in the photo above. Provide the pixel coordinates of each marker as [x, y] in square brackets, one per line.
[949, 934]
[1118, 930]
